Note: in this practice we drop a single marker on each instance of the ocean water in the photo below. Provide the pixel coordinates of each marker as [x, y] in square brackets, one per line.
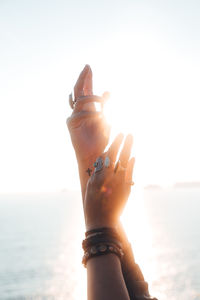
[41, 234]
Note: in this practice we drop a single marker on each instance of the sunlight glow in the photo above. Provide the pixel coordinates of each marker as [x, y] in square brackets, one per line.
[153, 83]
[139, 233]
[154, 113]
[146, 54]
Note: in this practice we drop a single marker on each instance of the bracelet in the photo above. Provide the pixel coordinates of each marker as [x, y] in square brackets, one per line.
[104, 232]
[97, 239]
[107, 230]
[101, 249]
[101, 241]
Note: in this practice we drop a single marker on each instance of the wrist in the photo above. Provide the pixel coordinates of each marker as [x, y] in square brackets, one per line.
[86, 162]
[96, 225]
[107, 259]
[84, 167]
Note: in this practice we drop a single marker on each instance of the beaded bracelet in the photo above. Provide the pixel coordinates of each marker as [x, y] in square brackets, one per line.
[101, 249]
[101, 241]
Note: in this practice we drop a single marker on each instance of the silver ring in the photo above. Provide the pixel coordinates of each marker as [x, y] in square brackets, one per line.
[72, 101]
[107, 162]
[98, 165]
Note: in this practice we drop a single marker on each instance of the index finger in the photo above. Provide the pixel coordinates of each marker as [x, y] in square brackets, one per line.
[79, 86]
[87, 86]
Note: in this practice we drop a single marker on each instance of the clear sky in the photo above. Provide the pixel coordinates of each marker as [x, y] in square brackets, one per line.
[146, 53]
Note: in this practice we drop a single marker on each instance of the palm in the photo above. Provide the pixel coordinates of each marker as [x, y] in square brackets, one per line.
[89, 135]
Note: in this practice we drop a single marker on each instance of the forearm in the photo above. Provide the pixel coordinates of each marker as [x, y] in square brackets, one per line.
[131, 274]
[83, 178]
[83, 166]
[105, 279]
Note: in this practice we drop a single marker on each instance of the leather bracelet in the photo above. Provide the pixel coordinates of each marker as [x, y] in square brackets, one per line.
[113, 235]
[108, 230]
[101, 249]
[100, 238]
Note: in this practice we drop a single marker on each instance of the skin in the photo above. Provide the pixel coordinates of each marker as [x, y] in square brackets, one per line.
[108, 191]
[106, 195]
[105, 279]
[88, 128]
[90, 135]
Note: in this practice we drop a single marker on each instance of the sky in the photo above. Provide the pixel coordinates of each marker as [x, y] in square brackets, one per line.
[146, 53]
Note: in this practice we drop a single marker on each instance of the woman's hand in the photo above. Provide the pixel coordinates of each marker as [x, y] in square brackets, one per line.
[88, 128]
[109, 187]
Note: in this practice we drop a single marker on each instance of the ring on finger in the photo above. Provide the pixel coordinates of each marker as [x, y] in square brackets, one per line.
[98, 164]
[107, 162]
[72, 100]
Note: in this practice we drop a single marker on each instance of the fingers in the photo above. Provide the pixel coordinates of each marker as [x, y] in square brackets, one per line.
[114, 148]
[126, 151]
[87, 88]
[83, 89]
[129, 170]
[79, 86]
[87, 91]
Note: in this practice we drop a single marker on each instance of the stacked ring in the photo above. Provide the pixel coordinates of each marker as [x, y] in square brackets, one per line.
[72, 101]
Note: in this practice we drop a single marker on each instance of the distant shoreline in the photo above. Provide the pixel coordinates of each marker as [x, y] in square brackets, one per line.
[152, 187]
[192, 184]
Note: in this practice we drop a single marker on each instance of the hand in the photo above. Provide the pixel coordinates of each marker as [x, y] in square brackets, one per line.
[88, 128]
[108, 190]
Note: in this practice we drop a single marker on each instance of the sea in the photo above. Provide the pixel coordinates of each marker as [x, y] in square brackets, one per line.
[41, 235]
